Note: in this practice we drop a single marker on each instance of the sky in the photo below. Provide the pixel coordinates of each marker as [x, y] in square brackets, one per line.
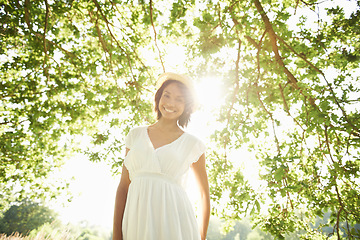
[93, 190]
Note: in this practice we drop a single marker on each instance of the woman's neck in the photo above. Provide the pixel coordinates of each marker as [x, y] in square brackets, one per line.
[167, 125]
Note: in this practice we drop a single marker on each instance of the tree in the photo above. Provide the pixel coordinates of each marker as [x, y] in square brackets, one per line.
[25, 217]
[57, 77]
[306, 118]
[289, 71]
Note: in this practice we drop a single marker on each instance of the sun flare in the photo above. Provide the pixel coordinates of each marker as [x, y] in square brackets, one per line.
[209, 91]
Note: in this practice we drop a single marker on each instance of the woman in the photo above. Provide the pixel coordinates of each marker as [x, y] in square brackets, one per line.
[151, 203]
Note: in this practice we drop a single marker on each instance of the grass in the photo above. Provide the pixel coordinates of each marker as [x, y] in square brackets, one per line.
[58, 231]
[39, 235]
[16, 236]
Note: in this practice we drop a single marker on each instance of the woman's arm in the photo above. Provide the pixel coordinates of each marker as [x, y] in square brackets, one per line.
[199, 168]
[120, 200]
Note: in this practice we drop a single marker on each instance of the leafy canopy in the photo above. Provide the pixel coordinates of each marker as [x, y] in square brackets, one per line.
[290, 77]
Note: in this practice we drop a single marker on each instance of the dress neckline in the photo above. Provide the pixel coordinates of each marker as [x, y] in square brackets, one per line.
[167, 144]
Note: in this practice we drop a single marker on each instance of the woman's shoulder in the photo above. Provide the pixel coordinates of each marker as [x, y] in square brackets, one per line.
[193, 139]
[137, 130]
[195, 146]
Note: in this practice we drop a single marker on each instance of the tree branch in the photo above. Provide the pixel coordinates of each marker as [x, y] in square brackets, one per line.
[27, 14]
[46, 72]
[293, 81]
[287, 110]
[47, 12]
[103, 43]
[258, 93]
[108, 24]
[101, 39]
[124, 31]
[327, 142]
[70, 54]
[323, 75]
[271, 117]
[236, 90]
[341, 209]
[155, 39]
[113, 37]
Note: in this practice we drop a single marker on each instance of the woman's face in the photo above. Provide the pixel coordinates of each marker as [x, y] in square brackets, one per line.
[172, 102]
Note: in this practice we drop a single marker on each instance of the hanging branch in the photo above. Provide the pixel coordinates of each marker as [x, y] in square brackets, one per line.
[27, 14]
[70, 54]
[288, 194]
[114, 7]
[108, 24]
[271, 117]
[339, 211]
[43, 36]
[287, 110]
[293, 81]
[47, 13]
[236, 90]
[327, 143]
[124, 31]
[258, 46]
[297, 4]
[327, 83]
[113, 37]
[46, 25]
[101, 39]
[155, 39]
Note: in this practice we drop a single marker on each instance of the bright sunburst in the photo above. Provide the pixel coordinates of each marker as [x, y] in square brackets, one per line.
[209, 90]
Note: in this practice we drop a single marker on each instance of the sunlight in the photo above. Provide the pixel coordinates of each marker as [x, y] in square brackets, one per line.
[210, 99]
[209, 90]
[175, 58]
[93, 190]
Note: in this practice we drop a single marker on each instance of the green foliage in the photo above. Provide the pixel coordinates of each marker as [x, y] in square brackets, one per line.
[24, 217]
[54, 87]
[289, 70]
[290, 112]
[240, 230]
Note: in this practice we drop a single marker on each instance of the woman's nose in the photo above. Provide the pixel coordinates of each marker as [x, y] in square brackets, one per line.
[170, 102]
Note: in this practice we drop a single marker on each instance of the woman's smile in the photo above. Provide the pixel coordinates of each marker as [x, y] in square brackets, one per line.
[169, 110]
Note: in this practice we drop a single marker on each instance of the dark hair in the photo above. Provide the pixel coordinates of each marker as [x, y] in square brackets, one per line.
[189, 102]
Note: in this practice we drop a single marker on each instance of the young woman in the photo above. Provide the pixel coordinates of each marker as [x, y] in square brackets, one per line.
[151, 203]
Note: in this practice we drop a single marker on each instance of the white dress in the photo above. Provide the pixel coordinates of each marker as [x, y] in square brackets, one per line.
[157, 206]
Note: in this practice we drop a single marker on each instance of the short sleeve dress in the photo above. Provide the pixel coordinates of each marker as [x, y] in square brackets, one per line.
[157, 206]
